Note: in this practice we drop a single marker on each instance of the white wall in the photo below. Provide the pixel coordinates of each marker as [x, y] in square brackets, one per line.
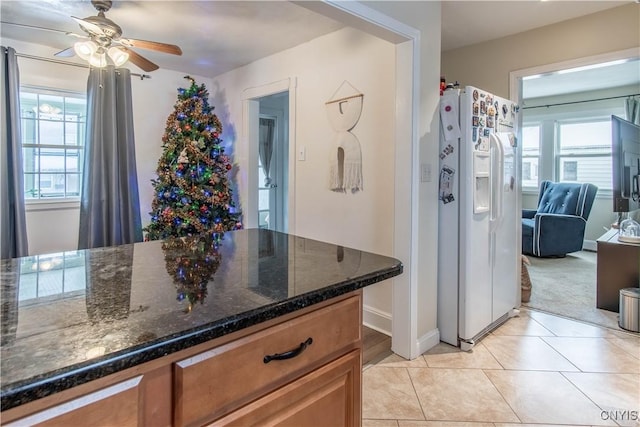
[488, 64]
[363, 220]
[600, 33]
[54, 227]
[425, 17]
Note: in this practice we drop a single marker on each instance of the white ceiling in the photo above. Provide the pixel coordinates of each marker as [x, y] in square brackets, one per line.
[581, 79]
[218, 36]
[215, 36]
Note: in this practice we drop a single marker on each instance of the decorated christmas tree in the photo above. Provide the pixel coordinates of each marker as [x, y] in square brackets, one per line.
[192, 193]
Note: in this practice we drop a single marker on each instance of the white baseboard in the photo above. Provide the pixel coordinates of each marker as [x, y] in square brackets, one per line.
[377, 320]
[590, 245]
[381, 321]
[428, 340]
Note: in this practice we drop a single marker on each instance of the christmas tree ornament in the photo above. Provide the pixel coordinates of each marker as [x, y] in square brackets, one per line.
[182, 158]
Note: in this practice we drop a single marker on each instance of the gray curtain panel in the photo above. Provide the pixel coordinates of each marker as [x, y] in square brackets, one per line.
[110, 204]
[632, 107]
[13, 225]
[265, 147]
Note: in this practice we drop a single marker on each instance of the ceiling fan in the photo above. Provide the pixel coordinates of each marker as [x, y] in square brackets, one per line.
[104, 37]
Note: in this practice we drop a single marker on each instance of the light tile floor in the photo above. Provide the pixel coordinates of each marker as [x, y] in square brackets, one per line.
[535, 370]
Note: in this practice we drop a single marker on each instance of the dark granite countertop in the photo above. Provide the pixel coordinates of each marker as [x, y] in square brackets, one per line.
[72, 317]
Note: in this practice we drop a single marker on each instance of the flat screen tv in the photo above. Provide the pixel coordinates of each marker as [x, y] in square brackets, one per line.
[625, 147]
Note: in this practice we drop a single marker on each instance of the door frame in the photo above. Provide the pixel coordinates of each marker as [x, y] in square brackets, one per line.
[405, 339]
[279, 167]
[251, 114]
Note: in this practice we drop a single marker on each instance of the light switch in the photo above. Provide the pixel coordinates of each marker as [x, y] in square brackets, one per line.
[425, 172]
[302, 153]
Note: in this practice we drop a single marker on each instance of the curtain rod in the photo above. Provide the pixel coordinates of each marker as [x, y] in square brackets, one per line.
[73, 64]
[580, 102]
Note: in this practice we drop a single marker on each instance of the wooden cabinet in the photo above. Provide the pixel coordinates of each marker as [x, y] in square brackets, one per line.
[329, 396]
[222, 379]
[618, 267]
[301, 369]
[111, 406]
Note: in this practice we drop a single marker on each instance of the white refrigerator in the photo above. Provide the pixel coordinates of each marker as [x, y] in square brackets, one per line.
[479, 215]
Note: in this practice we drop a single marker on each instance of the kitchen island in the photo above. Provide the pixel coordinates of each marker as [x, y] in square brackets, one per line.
[249, 327]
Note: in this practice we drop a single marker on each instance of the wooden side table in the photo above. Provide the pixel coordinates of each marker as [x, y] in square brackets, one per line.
[618, 268]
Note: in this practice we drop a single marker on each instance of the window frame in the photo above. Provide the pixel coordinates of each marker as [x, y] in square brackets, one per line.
[539, 125]
[558, 155]
[579, 110]
[38, 203]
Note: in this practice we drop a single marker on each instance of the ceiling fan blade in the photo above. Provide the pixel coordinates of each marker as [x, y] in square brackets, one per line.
[66, 53]
[141, 61]
[89, 26]
[146, 44]
[79, 36]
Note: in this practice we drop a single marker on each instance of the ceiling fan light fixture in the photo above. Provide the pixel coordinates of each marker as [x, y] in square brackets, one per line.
[98, 59]
[118, 56]
[85, 49]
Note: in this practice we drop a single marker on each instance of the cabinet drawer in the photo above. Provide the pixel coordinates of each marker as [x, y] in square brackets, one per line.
[329, 396]
[220, 380]
[117, 405]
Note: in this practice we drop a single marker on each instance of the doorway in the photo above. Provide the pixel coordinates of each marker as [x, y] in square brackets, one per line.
[269, 126]
[566, 136]
[273, 151]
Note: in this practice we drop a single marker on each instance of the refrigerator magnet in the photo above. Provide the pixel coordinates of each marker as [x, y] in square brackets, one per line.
[505, 110]
[475, 120]
[476, 108]
[492, 111]
[446, 184]
[483, 144]
[483, 107]
[490, 121]
[475, 134]
[487, 132]
[475, 95]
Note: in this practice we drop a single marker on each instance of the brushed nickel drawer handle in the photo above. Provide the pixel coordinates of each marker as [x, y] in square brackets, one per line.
[289, 354]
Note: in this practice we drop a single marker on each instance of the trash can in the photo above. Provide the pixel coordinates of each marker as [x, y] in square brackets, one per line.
[629, 318]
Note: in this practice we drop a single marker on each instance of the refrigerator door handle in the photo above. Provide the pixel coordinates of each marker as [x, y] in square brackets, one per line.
[497, 173]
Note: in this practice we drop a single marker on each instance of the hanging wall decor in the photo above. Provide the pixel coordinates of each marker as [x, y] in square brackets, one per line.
[343, 110]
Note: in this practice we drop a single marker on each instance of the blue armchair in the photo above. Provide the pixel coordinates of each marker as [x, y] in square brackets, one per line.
[557, 226]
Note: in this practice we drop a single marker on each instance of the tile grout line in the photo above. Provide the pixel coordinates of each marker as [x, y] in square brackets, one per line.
[413, 386]
[494, 357]
[560, 354]
[582, 392]
[611, 341]
[544, 327]
[501, 395]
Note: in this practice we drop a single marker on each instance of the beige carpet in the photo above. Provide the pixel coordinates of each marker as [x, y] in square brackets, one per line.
[567, 287]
